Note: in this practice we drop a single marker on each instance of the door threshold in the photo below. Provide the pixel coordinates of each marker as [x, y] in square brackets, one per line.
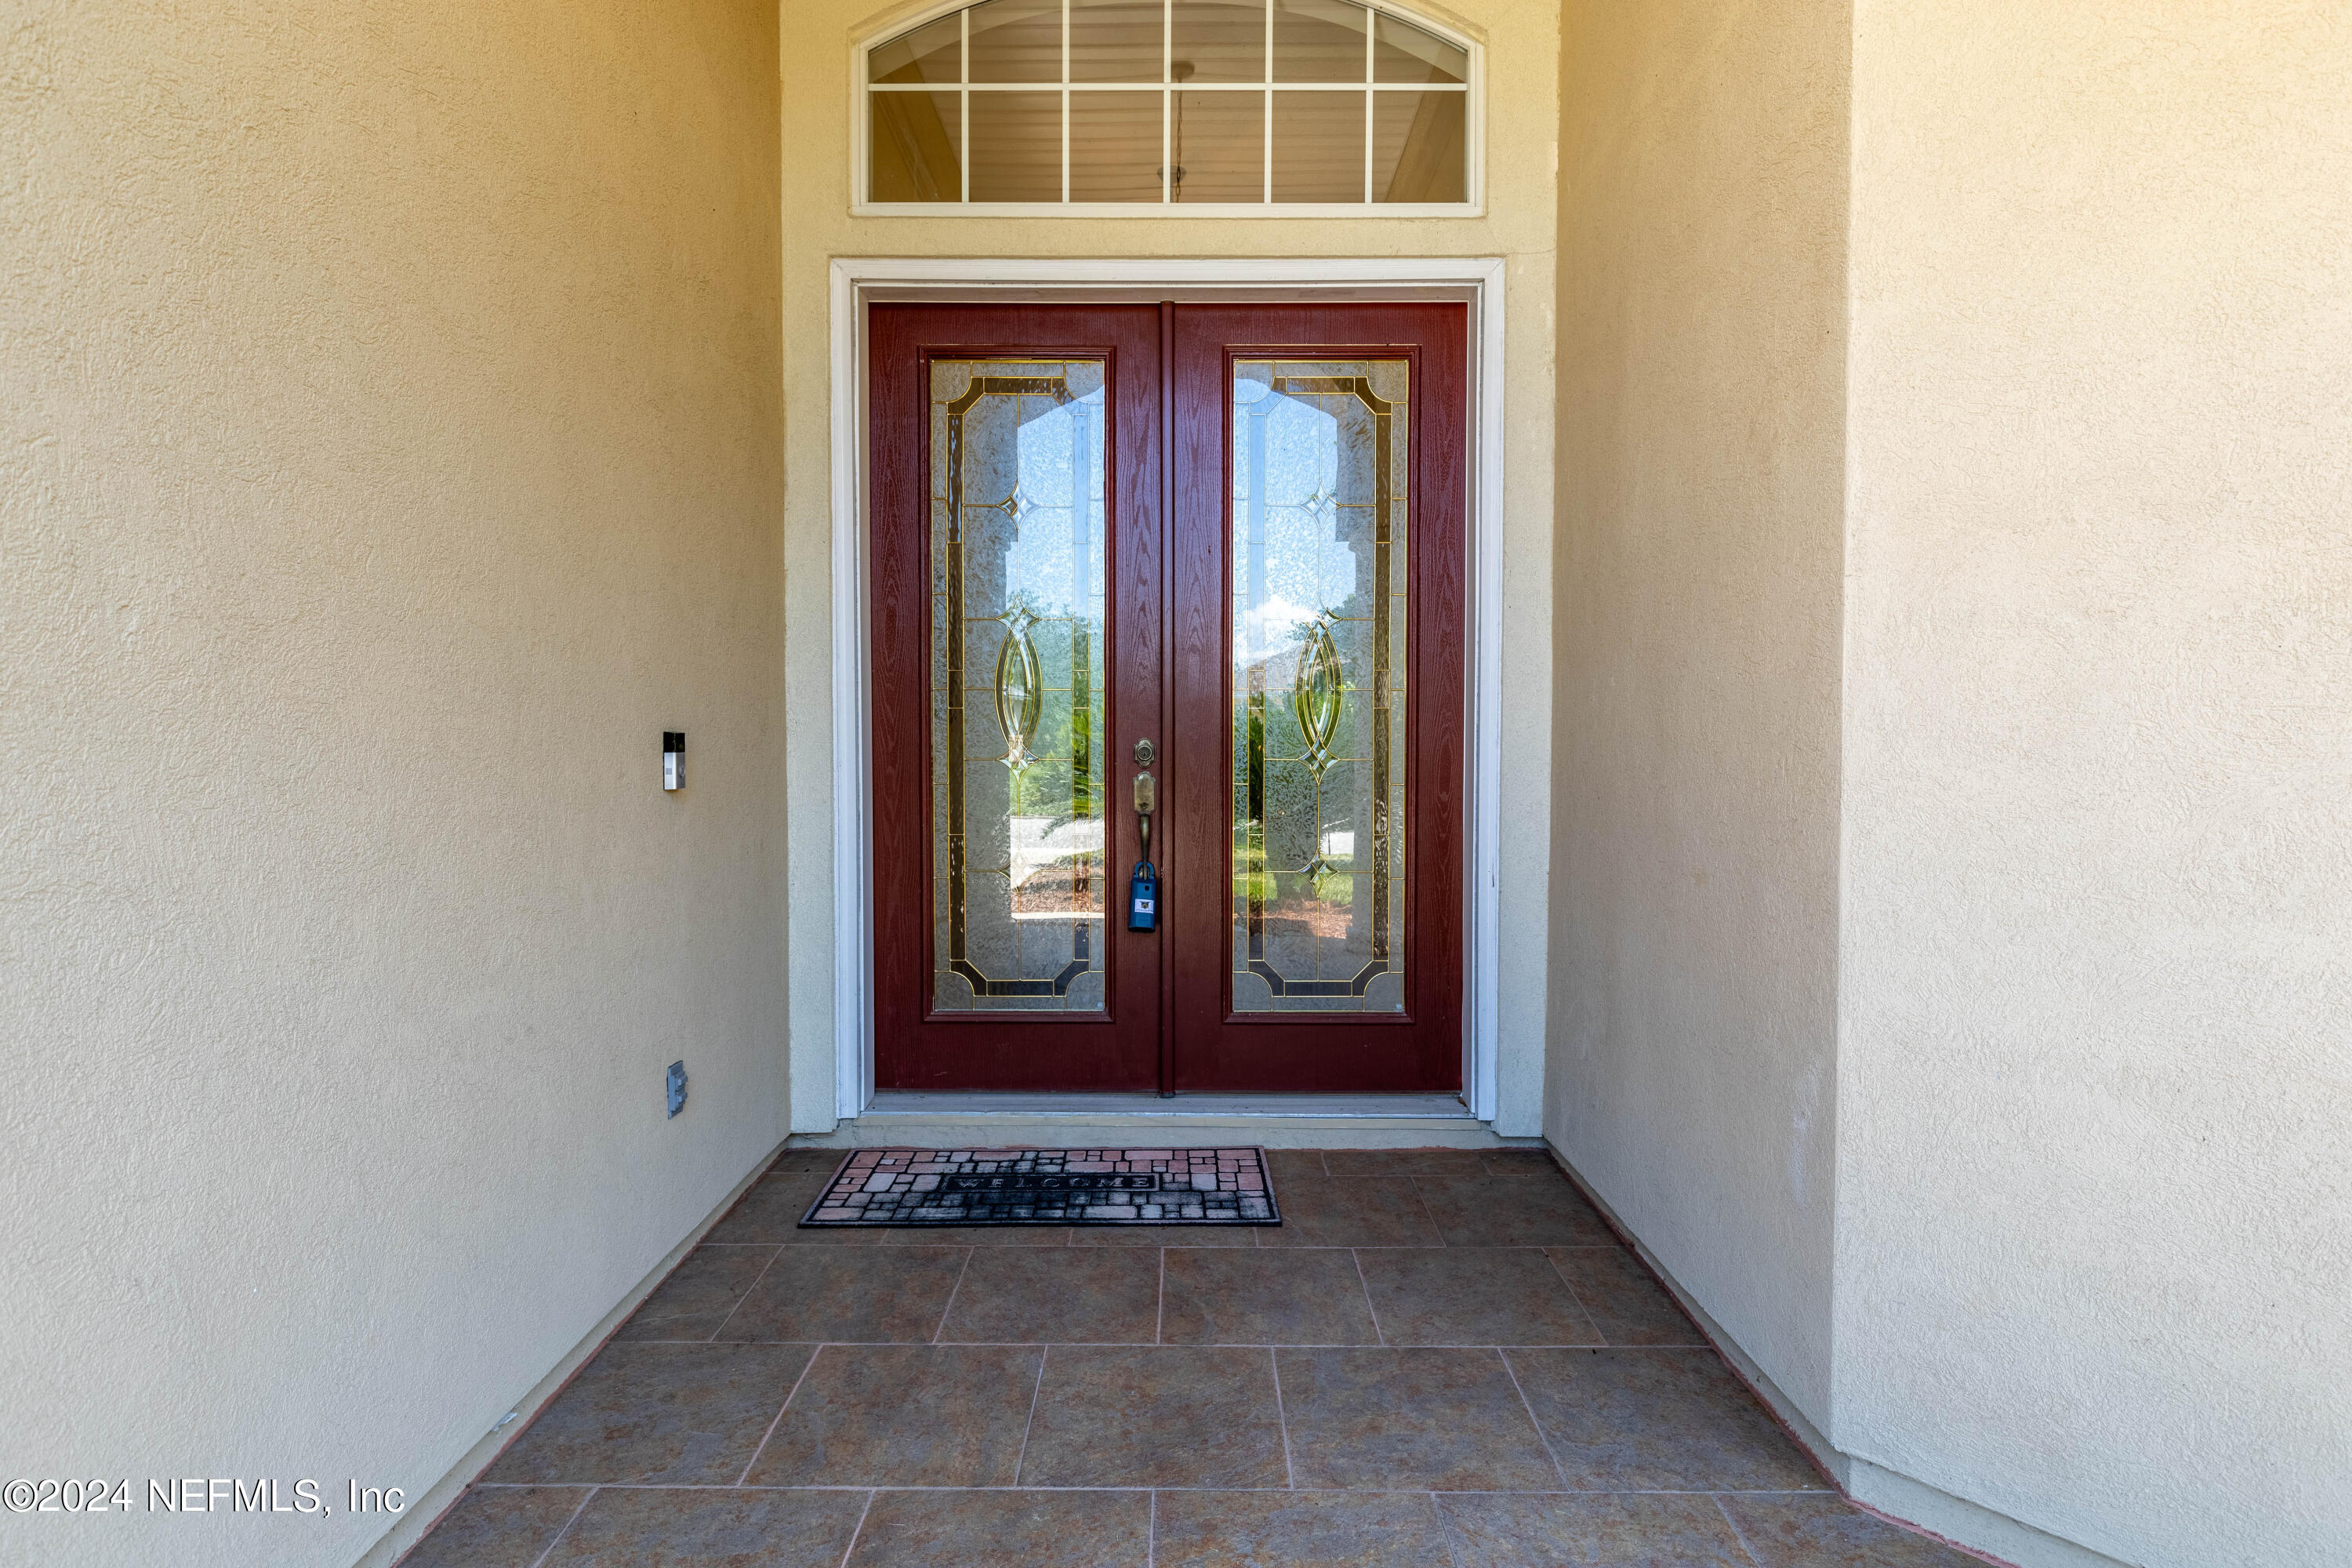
[924, 1118]
[925, 1102]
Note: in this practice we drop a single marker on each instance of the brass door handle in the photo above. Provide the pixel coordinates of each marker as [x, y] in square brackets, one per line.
[1147, 801]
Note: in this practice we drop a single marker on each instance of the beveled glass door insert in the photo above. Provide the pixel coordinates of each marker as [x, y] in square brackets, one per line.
[1018, 645]
[1015, 522]
[1208, 556]
[1318, 687]
[1320, 607]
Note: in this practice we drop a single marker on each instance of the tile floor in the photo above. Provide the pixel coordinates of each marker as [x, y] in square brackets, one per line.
[1440, 1358]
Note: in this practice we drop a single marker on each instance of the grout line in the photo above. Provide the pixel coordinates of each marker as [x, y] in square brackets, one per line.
[559, 1535]
[1151, 1529]
[1541, 1436]
[1378, 1332]
[1205, 1344]
[1324, 1160]
[712, 1338]
[1160, 1309]
[950, 1304]
[779, 1416]
[1282, 1419]
[859, 1530]
[1444, 1534]
[1022, 1456]
[1423, 1204]
[1781, 1492]
[826, 1249]
[1735, 1532]
[1570, 1286]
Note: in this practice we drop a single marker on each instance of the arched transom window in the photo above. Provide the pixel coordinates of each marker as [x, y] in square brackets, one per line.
[1242, 106]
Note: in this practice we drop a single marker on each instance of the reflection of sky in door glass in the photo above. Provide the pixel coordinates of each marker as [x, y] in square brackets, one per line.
[1018, 659]
[1051, 565]
[1318, 701]
[1295, 563]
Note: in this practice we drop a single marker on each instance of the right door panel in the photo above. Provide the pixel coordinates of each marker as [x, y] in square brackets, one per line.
[1318, 667]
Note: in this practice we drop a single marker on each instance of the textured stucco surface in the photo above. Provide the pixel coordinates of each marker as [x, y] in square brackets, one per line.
[1521, 37]
[1702, 364]
[2096, 1221]
[390, 452]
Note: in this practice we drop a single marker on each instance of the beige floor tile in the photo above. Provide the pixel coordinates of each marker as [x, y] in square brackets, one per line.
[1299, 1296]
[700, 1294]
[1155, 1416]
[1071, 1295]
[1472, 1296]
[850, 1293]
[1589, 1533]
[1656, 1420]
[1626, 1304]
[1511, 1211]
[498, 1527]
[1031, 1528]
[1389, 1419]
[1349, 1211]
[653, 1412]
[664, 1529]
[906, 1415]
[1296, 1530]
[1830, 1533]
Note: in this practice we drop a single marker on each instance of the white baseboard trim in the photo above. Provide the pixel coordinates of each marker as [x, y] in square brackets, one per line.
[426, 1512]
[1973, 1528]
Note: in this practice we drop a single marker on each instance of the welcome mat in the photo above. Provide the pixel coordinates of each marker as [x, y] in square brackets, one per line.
[1048, 1186]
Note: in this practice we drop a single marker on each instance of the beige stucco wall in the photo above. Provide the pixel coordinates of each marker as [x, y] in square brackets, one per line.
[2096, 1220]
[1702, 369]
[1521, 39]
[389, 455]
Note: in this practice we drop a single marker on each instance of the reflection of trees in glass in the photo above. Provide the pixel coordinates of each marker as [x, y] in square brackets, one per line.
[1019, 564]
[1317, 585]
[1271, 738]
[1052, 785]
[1051, 567]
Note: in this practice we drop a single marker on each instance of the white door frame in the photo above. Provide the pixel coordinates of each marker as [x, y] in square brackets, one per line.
[858, 281]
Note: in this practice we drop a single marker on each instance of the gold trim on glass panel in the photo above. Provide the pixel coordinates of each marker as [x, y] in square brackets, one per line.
[1324, 690]
[1019, 685]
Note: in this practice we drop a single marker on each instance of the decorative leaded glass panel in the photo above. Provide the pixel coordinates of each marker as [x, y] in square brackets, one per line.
[1017, 660]
[1317, 688]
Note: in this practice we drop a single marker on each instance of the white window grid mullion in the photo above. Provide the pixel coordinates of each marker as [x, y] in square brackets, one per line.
[917, 87]
[1266, 106]
[1167, 101]
[888, 87]
[1065, 99]
[1168, 88]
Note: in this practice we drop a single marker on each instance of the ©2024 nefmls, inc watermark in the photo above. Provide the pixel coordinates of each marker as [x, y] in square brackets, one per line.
[305, 1498]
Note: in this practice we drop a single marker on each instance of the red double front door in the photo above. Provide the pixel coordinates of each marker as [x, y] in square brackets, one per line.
[1207, 559]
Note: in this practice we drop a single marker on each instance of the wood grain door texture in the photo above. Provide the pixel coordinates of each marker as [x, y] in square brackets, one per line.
[1236, 532]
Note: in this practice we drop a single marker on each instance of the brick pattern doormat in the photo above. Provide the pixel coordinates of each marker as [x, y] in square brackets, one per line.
[1048, 1186]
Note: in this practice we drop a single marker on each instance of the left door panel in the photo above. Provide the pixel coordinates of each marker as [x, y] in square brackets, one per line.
[1015, 606]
